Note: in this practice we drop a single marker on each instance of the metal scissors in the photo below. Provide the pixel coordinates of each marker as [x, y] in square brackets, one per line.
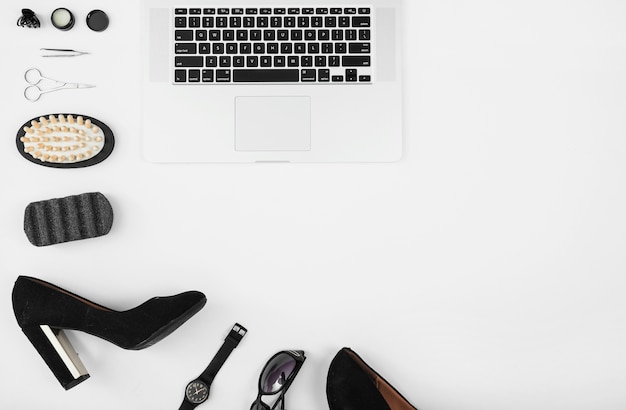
[35, 79]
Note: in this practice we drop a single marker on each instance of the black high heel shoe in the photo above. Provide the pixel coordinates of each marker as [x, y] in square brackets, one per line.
[43, 310]
[353, 385]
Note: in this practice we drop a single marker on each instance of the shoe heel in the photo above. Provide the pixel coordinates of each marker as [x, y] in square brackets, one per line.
[58, 353]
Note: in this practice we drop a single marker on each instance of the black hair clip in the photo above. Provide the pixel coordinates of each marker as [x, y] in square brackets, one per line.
[28, 19]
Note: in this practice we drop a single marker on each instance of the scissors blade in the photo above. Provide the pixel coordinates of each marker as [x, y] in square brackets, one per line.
[84, 86]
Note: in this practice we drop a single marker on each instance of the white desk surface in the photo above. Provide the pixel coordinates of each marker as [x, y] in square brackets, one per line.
[484, 271]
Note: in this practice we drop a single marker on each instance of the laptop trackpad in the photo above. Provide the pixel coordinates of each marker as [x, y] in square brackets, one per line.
[273, 123]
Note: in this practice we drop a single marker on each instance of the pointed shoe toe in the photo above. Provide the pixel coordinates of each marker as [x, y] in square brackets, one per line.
[353, 385]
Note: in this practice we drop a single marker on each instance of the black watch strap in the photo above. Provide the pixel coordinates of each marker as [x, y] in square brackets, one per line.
[230, 343]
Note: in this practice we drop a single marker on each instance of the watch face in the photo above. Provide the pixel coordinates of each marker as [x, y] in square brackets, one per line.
[196, 392]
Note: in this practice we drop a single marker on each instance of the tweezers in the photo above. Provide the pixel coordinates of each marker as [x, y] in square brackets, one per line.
[62, 52]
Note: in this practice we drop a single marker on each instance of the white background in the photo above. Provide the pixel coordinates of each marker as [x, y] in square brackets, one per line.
[483, 271]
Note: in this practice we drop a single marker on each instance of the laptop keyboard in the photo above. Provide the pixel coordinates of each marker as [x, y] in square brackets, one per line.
[273, 45]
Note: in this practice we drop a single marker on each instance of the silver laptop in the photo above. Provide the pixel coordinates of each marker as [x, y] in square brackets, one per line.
[255, 81]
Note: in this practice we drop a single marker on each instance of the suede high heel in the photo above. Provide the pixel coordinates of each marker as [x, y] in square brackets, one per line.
[353, 385]
[44, 310]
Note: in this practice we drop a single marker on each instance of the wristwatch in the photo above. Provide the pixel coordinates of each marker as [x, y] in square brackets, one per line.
[197, 390]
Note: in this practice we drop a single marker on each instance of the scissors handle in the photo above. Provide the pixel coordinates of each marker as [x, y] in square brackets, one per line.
[33, 76]
[32, 93]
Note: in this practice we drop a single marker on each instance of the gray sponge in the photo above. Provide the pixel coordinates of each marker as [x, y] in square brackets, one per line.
[67, 219]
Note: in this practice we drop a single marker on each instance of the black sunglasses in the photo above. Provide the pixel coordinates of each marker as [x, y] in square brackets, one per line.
[276, 377]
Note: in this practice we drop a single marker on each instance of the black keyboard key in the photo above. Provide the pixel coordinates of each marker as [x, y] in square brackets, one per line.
[336, 10]
[180, 76]
[235, 22]
[365, 78]
[201, 35]
[321, 10]
[252, 61]
[355, 61]
[360, 21]
[320, 61]
[341, 48]
[255, 35]
[310, 35]
[208, 11]
[195, 11]
[269, 35]
[183, 35]
[266, 75]
[215, 35]
[289, 22]
[351, 75]
[293, 11]
[296, 35]
[225, 61]
[293, 61]
[282, 35]
[223, 11]
[221, 22]
[248, 22]
[242, 35]
[330, 21]
[208, 22]
[266, 11]
[279, 61]
[364, 35]
[180, 11]
[228, 35]
[204, 48]
[276, 22]
[306, 61]
[359, 48]
[323, 35]
[344, 21]
[323, 74]
[337, 35]
[222, 76]
[327, 48]
[189, 61]
[266, 61]
[349, 10]
[194, 76]
[314, 48]
[280, 10]
[308, 75]
[299, 48]
[262, 22]
[210, 61]
[252, 11]
[334, 61]
[194, 22]
[364, 10]
[258, 48]
[218, 48]
[245, 48]
[185, 48]
[337, 78]
[207, 76]
[231, 48]
[286, 48]
[308, 10]
[351, 35]
[238, 11]
[317, 21]
[272, 48]
[180, 22]
[303, 21]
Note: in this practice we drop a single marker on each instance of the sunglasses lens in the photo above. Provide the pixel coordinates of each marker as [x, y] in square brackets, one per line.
[276, 372]
[259, 405]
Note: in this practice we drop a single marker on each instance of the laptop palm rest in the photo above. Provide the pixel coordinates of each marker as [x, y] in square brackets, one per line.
[273, 123]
